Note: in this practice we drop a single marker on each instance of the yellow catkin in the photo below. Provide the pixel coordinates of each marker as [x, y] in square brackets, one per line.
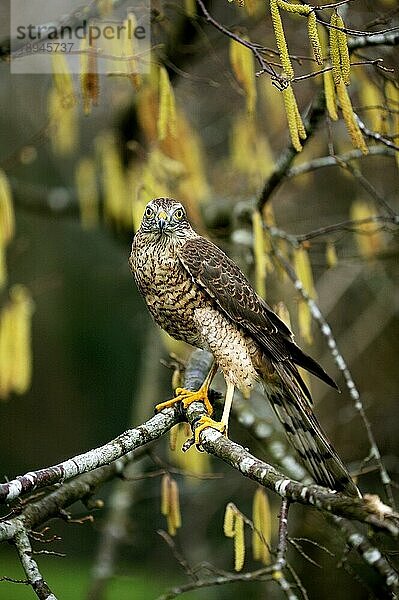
[299, 9]
[305, 321]
[299, 123]
[369, 240]
[6, 352]
[170, 525]
[116, 206]
[105, 7]
[129, 48]
[3, 266]
[239, 543]
[190, 8]
[372, 99]
[282, 311]
[21, 311]
[173, 437]
[329, 92]
[165, 495]
[243, 65]
[261, 518]
[177, 377]
[62, 77]
[15, 343]
[86, 186]
[292, 112]
[280, 39]
[259, 253]
[349, 118]
[250, 150]
[84, 67]
[229, 520]
[303, 270]
[89, 79]
[314, 38]
[167, 106]
[174, 520]
[187, 149]
[331, 255]
[334, 50]
[324, 43]
[7, 217]
[345, 63]
[63, 128]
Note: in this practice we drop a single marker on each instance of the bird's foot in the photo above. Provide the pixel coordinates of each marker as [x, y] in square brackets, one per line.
[187, 397]
[205, 422]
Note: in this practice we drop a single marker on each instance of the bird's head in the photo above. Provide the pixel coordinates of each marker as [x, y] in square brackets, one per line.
[165, 216]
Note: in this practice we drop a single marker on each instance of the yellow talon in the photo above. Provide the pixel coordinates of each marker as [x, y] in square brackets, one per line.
[187, 397]
[205, 422]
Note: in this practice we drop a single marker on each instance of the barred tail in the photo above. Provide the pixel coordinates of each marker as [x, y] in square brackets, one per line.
[308, 439]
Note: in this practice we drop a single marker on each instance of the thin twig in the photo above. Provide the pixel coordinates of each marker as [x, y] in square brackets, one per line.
[335, 160]
[29, 565]
[281, 562]
[375, 135]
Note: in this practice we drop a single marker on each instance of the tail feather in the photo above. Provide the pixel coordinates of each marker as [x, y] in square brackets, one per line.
[306, 435]
[305, 361]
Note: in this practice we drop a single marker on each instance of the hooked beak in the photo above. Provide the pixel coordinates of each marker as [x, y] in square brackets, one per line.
[162, 219]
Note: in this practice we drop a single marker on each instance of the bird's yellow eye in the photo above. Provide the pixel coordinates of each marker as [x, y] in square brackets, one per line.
[179, 214]
[149, 212]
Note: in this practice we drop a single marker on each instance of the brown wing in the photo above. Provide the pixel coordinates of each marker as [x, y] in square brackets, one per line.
[224, 281]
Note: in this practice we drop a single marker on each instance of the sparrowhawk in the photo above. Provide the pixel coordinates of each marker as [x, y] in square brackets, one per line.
[197, 294]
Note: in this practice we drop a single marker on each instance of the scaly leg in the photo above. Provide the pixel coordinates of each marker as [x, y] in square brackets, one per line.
[188, 396]
[222, 425]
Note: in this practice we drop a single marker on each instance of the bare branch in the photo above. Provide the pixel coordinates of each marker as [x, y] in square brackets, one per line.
[335, 160]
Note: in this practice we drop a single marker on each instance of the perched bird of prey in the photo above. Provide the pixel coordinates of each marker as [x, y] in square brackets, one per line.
[198, 295]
